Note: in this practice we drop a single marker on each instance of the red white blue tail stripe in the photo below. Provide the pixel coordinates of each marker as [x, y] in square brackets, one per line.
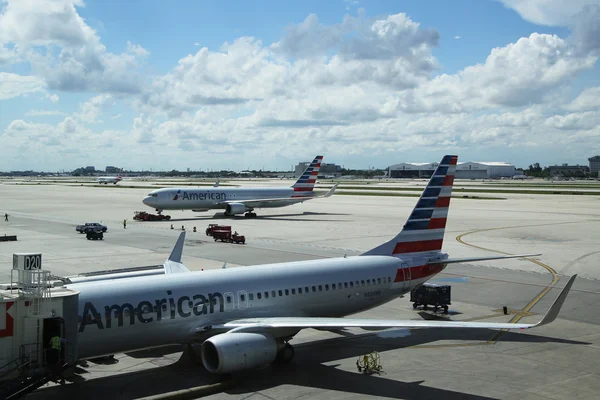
[424, 230]
[306, 182]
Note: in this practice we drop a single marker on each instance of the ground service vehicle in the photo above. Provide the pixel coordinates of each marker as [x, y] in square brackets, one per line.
[214, 227]
[91, 226]
[144, 216]
[226, 236]
[94, 235]
[431, 294]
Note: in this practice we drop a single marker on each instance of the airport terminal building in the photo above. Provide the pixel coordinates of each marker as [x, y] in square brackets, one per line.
[465, 170]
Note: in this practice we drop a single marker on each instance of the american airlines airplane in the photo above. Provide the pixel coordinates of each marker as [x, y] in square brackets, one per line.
[110, 179]
[238, 200]
[245, 317]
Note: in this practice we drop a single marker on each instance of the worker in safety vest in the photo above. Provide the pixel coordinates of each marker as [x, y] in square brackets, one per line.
[55, 347]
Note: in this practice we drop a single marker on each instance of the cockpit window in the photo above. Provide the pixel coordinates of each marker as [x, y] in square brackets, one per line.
[153, 195]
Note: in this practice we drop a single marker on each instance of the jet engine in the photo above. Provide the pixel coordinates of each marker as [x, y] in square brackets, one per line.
[235, 208]
[231, 352]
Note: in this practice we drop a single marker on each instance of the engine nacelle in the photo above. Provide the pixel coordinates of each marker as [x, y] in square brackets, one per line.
[231, 352]
[235, 208]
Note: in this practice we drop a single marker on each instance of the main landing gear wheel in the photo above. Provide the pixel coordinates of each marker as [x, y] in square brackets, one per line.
[285, 355]
[250, 215]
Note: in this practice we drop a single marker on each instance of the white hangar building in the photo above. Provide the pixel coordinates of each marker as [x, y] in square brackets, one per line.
[464, 170]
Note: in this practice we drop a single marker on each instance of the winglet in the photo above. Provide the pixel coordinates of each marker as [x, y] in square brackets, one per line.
[552, 313]
[331, 190]
[178, 249]
[173, 264]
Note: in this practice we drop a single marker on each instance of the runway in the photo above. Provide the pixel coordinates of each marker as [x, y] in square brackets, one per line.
[557, 361]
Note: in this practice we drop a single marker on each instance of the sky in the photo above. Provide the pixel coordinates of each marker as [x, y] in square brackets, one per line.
[222, 84]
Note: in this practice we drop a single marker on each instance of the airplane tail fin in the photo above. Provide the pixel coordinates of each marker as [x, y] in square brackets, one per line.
[173, 264]
[306, 182]
[424, 230]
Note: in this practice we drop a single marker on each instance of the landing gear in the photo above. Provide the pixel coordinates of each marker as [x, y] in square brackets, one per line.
[285, 354]
[250, 215]
[158, 211]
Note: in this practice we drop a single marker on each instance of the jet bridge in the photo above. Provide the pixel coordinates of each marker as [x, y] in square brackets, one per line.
[32, 311]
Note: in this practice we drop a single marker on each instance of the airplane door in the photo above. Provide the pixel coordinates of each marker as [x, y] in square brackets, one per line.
[229, 301]
[242, 299]
[407, 276]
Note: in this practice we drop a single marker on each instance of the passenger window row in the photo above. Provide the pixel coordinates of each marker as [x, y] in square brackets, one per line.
[313, 289]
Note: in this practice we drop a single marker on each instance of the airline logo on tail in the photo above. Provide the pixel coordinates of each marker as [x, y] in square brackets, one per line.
[306, 182]
[424, 230]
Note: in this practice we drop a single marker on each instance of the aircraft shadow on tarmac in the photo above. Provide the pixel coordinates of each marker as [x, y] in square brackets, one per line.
[308, 369]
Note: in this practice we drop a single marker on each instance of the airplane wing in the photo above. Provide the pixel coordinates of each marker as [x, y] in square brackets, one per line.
[290, 200]
[260, 202]
[249, 324]
[463, 260]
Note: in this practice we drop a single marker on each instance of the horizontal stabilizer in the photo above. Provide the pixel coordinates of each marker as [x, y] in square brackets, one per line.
[328, 194]
[262, 324]
[471, 259]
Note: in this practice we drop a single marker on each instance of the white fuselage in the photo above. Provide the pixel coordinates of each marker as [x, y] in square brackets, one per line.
[215, 198]
[135, 313]
[109, 179]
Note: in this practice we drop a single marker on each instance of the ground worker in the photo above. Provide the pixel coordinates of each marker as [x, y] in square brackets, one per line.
[124, 224]
[5, 216]
[54, 353]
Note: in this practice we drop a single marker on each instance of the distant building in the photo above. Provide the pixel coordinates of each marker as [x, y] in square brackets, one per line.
[568, 170]
[326, 169]
[411, 170]
[112, 170]
[594, 165]
[90, 168]
[465, 170]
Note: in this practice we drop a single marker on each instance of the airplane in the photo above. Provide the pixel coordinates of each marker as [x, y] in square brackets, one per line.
[238, 200]
[245, 317]
[110, 179]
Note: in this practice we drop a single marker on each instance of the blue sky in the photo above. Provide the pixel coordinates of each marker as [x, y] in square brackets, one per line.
[236, 84]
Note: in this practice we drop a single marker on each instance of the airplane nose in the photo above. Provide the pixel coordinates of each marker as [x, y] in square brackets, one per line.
[147, 201]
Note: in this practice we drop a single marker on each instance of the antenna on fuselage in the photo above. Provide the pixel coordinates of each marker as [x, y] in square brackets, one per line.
[224, 266]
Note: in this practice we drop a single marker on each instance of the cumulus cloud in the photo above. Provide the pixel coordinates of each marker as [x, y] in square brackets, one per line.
[83, 63]
[581, 16]
[43, 113]
[363, 86]
[516, 75]
[587, 100]
[549, 12]
[13, 85]
[92, 109]
[8, 55]
[358, 38]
